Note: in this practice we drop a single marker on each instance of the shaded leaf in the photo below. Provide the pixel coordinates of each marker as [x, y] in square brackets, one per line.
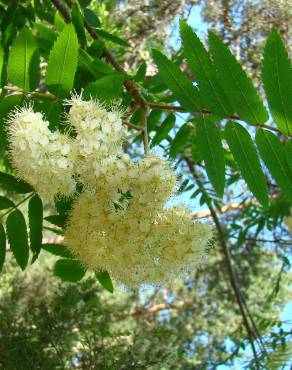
[210, 146]
[106, 88]
[57, 250]
[272, 151]
[236, 84]
[58, 220]
[288, 153]
[62, 63]
[18, 238]
[5, 203]
[164, 129]
[105, 280]
[2, 246]
[11, 183]
[179, 142]
[204, 73]
[246, 157]
[6, 105]
[92, 18]
[23, 62]
[35, 218]
[69, 270]
[277, 78]
[110, 37]
[77, 20]
[185, 92]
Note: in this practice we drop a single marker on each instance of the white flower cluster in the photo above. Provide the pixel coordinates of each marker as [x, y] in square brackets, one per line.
[120, 222]
[43, 158]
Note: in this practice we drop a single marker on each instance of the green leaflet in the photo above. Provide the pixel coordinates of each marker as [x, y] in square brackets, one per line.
[1, 63]
[18, 238]
[288, 153]
[204, 73]
[23, 62]
[91, 18]
[246, 157]
[11, 183]
[106, 88]
[272, 151]
[183, 89]
[105, 280]
[57, 250]
[163, 130]
[35, 217]
[77, 20]
[277, 78]
[5, 203]
[210, 146]
[2, 246]
[110, 37]
[57, 220]
[62, 63]
[69, 270]
[236, 84]
[180, 140]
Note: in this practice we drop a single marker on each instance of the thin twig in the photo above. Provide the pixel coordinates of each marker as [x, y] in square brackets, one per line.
[205, 111]
[16, 205]
[35, 94]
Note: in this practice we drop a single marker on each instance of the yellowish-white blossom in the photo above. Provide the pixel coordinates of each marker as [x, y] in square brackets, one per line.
[120, 223]
[135, 249]
[43, 158]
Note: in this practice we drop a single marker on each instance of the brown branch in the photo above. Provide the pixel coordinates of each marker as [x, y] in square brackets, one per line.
[205, 111]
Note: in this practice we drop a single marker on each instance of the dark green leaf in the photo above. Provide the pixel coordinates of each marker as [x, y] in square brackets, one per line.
[236, 85]
[92, 18]
[163, 130]
[272, 151]
[63, 63]
[23, 63]
[35, 217]
[18, 238]
[185, 92]
[179, 142]
[52, 111]
[1, 63]
[106, 88]
[105, 280]
[57, 250]
[246, 157]
[288, 153]
[96, 48]
[58, 220]
[77, 20]
[153, 119]
[140, 74]
[210, 146]
[69, 270]
[204, 73]
[11, 183]
[6, 105]
[2, 246]
[277, 78]
[113, 38]
[5, 203]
